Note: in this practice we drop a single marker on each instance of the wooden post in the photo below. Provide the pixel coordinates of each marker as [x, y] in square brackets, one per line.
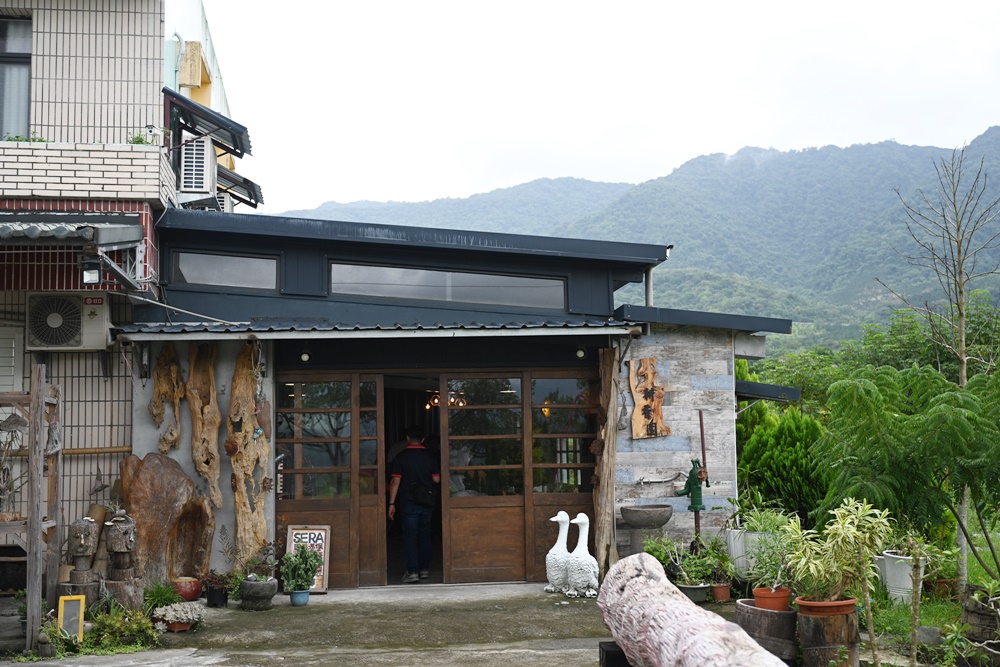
[34, 537]
[605, 549]
[53, 536]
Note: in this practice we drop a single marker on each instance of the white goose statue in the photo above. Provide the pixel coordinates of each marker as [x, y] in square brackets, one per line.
[581, 576]
[558, 557]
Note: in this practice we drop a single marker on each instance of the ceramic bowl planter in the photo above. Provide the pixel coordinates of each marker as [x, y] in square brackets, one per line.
[257, 595]
[188, 588]
[696, 593]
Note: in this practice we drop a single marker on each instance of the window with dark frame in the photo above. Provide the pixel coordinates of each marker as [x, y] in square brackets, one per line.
[398, 282]
[199, 268]
[15, 77]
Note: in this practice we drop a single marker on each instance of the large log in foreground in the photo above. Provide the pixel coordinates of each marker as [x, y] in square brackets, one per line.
[658, 626]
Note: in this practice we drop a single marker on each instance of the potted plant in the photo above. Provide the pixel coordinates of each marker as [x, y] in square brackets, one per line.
[21, 596]
[721, 577]
[298, 572]
[259, 586]
[179, 616]
[829, 569]
[689, 571]
[217, 585]
[158, 595]
[897, 567]
[748, 525]
[769, 575]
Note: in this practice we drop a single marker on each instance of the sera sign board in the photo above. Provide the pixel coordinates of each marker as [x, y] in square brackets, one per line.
[316, 538]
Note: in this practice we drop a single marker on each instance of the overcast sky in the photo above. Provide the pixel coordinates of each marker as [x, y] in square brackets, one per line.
[351, 100]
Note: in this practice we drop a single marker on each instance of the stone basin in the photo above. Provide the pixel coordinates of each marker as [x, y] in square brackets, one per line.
[647, 516]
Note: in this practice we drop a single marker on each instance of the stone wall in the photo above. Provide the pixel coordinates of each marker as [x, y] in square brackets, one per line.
[695, 366]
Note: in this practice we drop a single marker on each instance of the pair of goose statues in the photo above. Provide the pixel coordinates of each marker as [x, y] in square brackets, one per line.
[572, 573]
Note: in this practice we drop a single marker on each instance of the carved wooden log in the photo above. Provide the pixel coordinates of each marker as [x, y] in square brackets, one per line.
[205, 417]
[658, 626]
[175, 523]
[168, 387]
[605, 549]
[128, 593]
[249, 452]
[647, 416]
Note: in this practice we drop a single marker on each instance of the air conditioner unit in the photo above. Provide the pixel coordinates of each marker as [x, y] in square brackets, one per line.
[199, 172]
[67, 321]
[225, 202]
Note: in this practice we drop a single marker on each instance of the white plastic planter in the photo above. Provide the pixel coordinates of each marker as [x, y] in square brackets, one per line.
[897, 576]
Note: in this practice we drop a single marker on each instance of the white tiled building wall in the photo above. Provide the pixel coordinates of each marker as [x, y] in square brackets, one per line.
[96, 67]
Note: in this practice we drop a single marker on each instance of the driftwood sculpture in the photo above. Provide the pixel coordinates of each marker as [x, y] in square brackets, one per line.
[175, 523]
[647, 417]
[658, 626]
[205, 416]
[168, 387]
[122, 582]
[248, 451]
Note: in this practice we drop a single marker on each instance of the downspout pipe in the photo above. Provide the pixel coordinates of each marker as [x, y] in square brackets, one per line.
[649, 287]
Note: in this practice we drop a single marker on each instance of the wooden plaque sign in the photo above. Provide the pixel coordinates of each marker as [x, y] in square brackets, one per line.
[315, 538]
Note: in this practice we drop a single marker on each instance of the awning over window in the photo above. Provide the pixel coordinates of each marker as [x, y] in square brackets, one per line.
[183, 114]
[239, 188]
[749, 391]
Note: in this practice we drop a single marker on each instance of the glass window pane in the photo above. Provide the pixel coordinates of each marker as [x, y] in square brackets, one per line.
[286, 395]
[485, 452]
[563, 480]
[487, 483]
[563, 420]
[429, 285]
[368, 481]
[15, 86]
[562, 450]
[326, 394]
[296, 486]
[317, 455]
[564, 391]
[499, 421]
[368, 452]
[368, 424]
[313, 425]
[15, 36]
[369, 397]
[228, 270]
[487, 391]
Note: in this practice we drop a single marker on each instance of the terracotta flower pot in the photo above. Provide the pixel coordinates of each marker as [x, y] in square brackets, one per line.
[721, 592]
[774, 600]
[824, 608]
[178, 627]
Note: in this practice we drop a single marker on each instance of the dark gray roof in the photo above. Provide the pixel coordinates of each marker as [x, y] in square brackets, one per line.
[200, 121]
[695, 318]
[746, 390]
[283, 229]
[316, 325]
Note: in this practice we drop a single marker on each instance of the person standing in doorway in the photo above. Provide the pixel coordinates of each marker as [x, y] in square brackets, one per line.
[413, 492]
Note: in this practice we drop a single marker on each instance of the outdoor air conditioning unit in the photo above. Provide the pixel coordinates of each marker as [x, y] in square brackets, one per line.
[225, 202]
[199, 172]
[67, 322]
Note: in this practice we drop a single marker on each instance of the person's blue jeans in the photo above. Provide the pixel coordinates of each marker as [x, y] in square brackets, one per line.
[417, 536]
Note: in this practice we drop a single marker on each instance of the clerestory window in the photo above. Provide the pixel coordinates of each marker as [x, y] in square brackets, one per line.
[454, 286]
[15, 77]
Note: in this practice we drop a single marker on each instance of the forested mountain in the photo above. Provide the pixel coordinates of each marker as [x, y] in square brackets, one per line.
[798, 234]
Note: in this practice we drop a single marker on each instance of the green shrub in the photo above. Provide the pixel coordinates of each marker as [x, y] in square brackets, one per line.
[159, 595]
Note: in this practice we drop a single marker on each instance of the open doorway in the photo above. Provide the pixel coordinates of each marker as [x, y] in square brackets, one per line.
[408, 403]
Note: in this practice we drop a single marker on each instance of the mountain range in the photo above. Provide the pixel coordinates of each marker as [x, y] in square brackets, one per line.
[799, 234]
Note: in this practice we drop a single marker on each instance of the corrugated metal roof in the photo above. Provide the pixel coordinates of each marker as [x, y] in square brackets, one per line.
[300, 325]
[91, 232]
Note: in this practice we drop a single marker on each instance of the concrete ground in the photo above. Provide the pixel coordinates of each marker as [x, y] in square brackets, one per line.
[419, 624]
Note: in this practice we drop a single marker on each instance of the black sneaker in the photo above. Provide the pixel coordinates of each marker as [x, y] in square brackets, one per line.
[411, 578]
[424, 574]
